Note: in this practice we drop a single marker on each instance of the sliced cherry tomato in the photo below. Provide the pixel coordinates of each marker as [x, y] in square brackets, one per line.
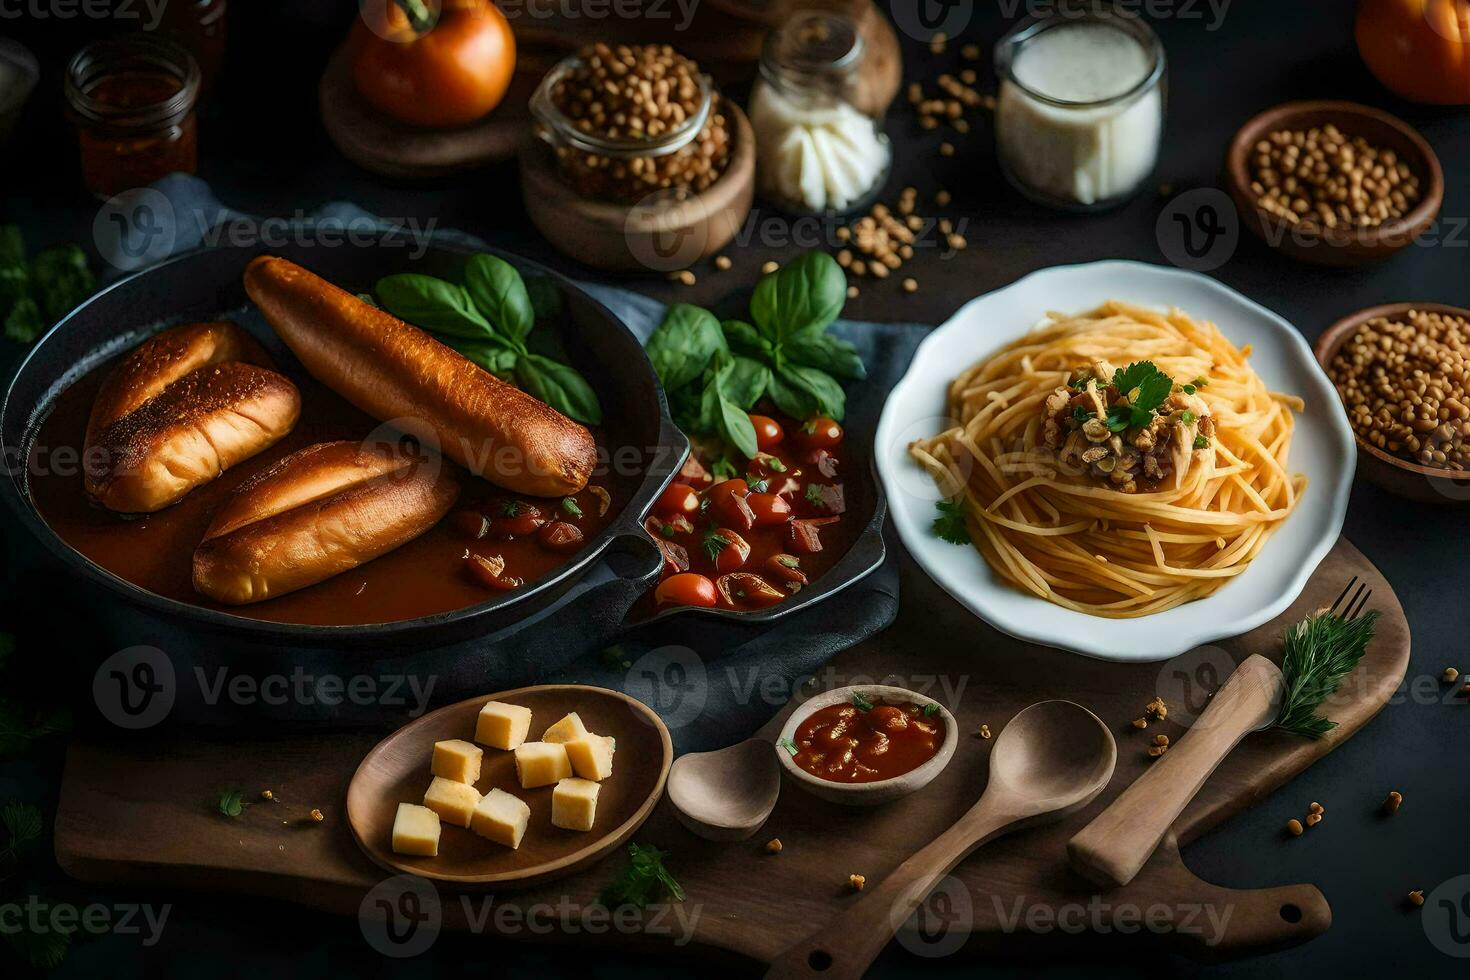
[560, 536]
[765, 464]
[768, 432]
[693, 472]
[786, 568]
[769, 509]
[728, 501]
[823, 461]
[678, 498]
[746, 590]
[686, 589]
[491, 572]
[822, 500]
[676, 557]
[669, 527]
[472, 524]
[819, 433]
[515, 519]
[727, 550]
[805, 535]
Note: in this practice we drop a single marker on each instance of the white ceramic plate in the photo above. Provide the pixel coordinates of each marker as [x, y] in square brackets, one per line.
[1322, 448]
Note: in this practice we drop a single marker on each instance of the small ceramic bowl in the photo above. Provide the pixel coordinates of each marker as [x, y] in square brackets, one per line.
[883, 790]
[1402, 477]
[1339, 247]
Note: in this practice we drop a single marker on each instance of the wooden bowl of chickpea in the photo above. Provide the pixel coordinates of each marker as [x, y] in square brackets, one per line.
[1333, 183]
[1403, 373]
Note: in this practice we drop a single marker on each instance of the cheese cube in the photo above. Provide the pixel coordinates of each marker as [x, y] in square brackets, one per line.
[565, 730]
[574, 804]
[501, 725]
[453, 801]
[416, 831]
[592, 756]
[458, 760]
[541, 764]
[501, 817]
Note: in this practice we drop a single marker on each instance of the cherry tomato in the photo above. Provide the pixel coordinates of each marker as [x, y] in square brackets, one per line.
[560, 536]
[491, 572]
[515, 519]
[728, 501]
[744, 590]
[819, 433]
[730, 556]
[768, 432]
[769, 509]
[686, 589]
[447, 74]
[805, 535]
[694, 473]
[786, 568]
[471, 523]
[678, 499]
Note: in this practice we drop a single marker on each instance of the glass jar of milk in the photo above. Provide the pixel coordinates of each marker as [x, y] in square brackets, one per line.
[1081, 106]
[816, 151]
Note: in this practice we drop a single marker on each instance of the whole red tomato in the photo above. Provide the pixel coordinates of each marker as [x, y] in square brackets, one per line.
[431, 72]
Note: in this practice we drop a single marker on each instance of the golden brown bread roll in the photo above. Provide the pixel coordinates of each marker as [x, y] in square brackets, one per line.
[179, 410]
[398, 373]
[318, 513]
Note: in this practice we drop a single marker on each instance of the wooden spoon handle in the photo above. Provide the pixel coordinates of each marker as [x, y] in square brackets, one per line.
[1110, 850]
[847, 946]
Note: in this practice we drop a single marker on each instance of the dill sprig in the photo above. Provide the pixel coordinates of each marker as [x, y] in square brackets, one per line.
[1319, 652]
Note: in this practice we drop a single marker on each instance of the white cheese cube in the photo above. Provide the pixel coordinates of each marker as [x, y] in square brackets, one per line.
[565, 730]
[458, 760]
[541, 764]
[416, 831]
[453, 801]
[592, 756]
[501, 725]
[574, 804]
[501, 817]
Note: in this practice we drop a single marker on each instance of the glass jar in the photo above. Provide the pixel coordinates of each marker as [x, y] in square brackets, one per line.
[604, 163]
[818, 153]
[199, 25]
[1080, 113]
[132, 99]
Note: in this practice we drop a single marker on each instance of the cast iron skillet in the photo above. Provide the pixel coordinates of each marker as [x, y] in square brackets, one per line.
[507, 640]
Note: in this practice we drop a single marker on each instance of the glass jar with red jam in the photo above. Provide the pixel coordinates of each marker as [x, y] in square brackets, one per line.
[132, 99]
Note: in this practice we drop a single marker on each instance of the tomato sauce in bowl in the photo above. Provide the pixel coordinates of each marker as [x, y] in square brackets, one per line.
[866, 741]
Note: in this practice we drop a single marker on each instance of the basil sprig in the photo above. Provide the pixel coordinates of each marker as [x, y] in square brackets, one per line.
[489, 319]
[715, 373]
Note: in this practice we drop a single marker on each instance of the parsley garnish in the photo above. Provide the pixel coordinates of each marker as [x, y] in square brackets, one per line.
[1201, 382]
[1186, 417]
[1189, 389]
[775, 465]
[645, 880]
[814, 496]
[790, 561]
[723, 469]
[1318, 653]
[1080, 414]
[571, 506]
[756, 484]
[788, 745]
[714, 543]
[1200, 442]
[511, 508]
[950, 524]
[931, 709]
[861, 703]
[1143, 388]
[668, 530]
[231, 802]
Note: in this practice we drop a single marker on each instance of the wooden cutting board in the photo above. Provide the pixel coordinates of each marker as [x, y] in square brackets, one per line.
[142, 811]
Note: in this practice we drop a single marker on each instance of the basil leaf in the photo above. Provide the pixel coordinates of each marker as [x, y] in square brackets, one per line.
[437, 306]
[559, 386]
[60, 280]
[745, 339]
[802, 392]
[23, 324]
[747, 382]
[736, 427]
[12, 246]
[499, 293]
[821, 350]
[499, 360]
[808, 294]
[683, 344]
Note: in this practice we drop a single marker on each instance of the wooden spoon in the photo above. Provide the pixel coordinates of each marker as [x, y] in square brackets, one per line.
[1052, 759]
[1110, 850]
[728, 793]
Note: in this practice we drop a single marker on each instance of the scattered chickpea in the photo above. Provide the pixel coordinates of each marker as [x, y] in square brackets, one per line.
[1155, 751]
[859, 267]
[984, 731]
[1294, 827]
[911, 285]
[844, 233]
[852, 292]
[1320, 177]
[1416, 897]
[957, 242]
[1313, 819]
[1316, 808]
[970, 52]
[1450, 675]
[916, 93]
[1393, 801]
[1157, 709]
[928, 122]
[773, 846]
[684, 276]
[267, 795]
[938, 42]
[1161, 739]
[317, 816]
[946, 149]
[942, 198]
[1140, 723]
[968, 76]
[961, 126]
[856, 882]
[844, 258]
[723, 263]
[770, 267]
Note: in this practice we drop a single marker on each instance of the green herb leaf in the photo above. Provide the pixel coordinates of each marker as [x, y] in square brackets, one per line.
[1201, 442]
[757, 484]
[683, 345]
[789, 746]
[930, 710]
[1318, 653]
[745, 339]
[644, 881]
[1186, 417]
[435, 305]
[570, 506]
[499, 294]
[494, 356]
[1152, 385]
[720, 469]
[860, 702]
[821, 350]
[231, 802]
[559, 386]
[814, 496]
[24, 323]
[545, 296]
[42, 950]
[61, 279]
[747, 382]
[22, 823]
[12, 246]
[950, 524]
[20, 728]
[713, 543]
[806, 294]
[1120, 417]
[15, 285]
[725, 416]
[1080, 414]
[1188, 389]
[802, 392]
[789, 561]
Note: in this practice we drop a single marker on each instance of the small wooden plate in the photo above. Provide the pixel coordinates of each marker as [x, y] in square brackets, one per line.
[1399, 476]
[397, 771]
[1338, 247]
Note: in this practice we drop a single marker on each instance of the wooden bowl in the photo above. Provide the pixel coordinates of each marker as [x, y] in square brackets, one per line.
[1337, 247]
[397, 771]
[659, 235]
[1425, 484]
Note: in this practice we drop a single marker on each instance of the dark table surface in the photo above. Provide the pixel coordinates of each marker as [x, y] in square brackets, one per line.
[263, 151]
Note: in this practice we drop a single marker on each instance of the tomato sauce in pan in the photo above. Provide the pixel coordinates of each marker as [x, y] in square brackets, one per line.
[851, 743]
[431, 574]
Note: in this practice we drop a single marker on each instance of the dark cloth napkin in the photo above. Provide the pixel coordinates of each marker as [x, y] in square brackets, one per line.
[711, 692]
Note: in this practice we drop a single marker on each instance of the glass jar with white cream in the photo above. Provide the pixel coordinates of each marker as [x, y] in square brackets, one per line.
[1081, 107]
[817, 152]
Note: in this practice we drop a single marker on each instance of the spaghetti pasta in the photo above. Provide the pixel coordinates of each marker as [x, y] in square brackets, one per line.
[1117, 503]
